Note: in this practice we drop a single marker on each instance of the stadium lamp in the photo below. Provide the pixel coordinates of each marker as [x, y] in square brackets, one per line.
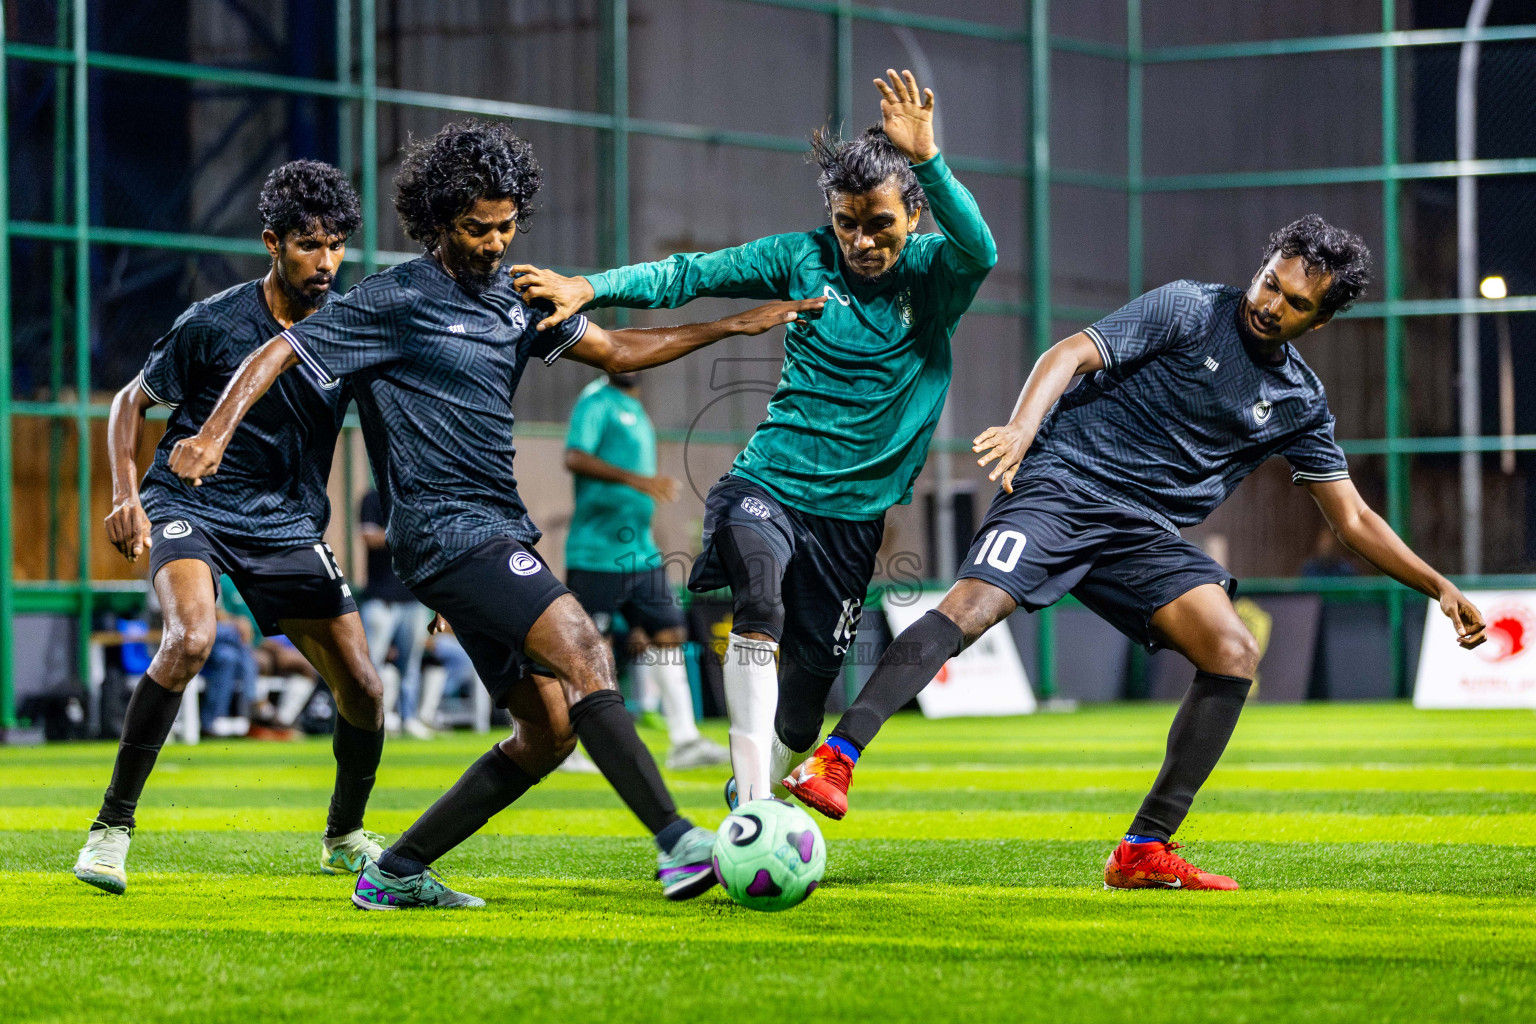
[1493, 287]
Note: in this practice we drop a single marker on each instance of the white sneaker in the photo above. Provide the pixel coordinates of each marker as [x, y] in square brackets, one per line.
[346, 855]
[579, 764]
[697, 753]
[419, 729]
[102, 859]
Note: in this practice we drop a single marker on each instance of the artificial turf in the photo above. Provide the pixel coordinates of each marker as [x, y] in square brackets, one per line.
[1387, 857]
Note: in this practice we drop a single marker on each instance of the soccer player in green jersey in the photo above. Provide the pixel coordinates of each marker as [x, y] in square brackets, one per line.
[612, 563]
[793, 529]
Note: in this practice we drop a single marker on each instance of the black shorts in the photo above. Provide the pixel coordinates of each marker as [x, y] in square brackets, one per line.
[820, 569]
[301, 582]
[644, 598]
[492, 596]
[1049, 538]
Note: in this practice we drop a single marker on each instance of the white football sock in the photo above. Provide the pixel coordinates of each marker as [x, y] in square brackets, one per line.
[645, 681]
[751, 673]
[664, 666]
[780, 760]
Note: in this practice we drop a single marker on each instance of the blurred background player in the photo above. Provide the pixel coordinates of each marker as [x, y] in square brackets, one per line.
[262, 521]
[794, 528]
[1186, 390]
[440, 441]
[612, 563]
[396, 623]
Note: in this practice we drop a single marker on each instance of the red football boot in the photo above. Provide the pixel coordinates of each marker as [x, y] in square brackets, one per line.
[1156, 866]
[821, 781]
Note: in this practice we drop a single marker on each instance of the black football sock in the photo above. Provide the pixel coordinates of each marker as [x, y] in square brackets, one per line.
[1196, 741]
[357, 761]
[603, 724]
[146, 726]
[908, 665]
[489, 786]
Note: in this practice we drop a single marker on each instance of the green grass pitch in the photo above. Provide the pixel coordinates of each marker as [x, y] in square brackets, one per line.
[1388, 859]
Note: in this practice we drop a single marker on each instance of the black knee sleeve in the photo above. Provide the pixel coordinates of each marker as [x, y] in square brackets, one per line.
[756, 575]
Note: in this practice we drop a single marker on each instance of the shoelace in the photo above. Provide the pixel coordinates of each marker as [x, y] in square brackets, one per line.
[110, 834]
[837, 770]
[373, 837]
[1166, 861]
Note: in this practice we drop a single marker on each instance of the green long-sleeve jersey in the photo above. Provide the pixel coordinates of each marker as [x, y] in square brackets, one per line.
[860, 393]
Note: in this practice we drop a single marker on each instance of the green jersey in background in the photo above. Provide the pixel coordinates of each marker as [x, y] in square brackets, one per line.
[611, 527]
[859, 397]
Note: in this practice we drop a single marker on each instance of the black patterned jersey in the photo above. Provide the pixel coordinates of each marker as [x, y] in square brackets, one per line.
[270, 490]
[434, 368]
[1183, 411]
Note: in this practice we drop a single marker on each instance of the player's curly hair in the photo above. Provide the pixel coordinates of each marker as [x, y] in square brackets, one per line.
[1329, 250]
[303, 193]
[465, 161]
[854, 166]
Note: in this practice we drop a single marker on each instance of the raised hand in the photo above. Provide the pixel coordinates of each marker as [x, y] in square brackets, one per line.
[1007, 444]
[766, 317]
[567, 294]
[195, 457]
[907, 115]
[128, 529]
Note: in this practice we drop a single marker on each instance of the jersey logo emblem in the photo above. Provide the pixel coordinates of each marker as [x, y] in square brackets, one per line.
[629, 419]
[847, 625]
[178, 528]
[524, 564]
[1261, 411]
[1211, 364]
[753, 507]
[518, 320]
[455, 328]
[904, 303]
[831, 293]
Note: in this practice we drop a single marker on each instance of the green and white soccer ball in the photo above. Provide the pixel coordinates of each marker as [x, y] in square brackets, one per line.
[770, 855]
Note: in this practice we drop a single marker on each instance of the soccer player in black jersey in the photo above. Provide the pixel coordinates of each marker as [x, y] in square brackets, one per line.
[435, 349]
[1184, 392]
[262, 521]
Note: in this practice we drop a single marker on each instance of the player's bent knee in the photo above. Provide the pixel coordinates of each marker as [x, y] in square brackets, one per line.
[182, 655]
[1236, 654]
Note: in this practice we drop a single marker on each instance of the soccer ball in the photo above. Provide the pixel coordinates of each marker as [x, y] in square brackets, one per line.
[770, 855]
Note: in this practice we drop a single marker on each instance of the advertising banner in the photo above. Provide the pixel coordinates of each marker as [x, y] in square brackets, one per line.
[986, 678]
[1499, 674]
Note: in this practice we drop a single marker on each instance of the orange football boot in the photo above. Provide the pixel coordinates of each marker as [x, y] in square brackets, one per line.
[1156, 866]
[821, 781]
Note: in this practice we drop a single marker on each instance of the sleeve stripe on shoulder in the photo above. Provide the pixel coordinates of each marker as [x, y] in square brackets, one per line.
[322, 376]
[1300, 477]
[581, 332]
[1103, 346]
[144, 385]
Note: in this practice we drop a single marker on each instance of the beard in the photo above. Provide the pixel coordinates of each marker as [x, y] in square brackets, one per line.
[469, 274]
[300, 298]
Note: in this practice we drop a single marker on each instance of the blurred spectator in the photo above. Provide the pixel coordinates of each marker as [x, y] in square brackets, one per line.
[230, 672]
[393, 619]
[1328, 557]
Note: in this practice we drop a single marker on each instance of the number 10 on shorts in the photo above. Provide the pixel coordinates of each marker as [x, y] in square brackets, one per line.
[1001, 549]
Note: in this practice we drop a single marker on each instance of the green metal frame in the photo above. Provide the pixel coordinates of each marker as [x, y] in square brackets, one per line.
[356, 86]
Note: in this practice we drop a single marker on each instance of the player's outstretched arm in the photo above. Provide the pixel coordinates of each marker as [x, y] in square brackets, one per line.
[639, 348]
[127, 525]
[756, 270]
[1368, 535]
[199, 455]
[1047, 382]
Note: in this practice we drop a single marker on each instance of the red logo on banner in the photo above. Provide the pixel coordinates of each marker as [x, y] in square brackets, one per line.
[1510, 629]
